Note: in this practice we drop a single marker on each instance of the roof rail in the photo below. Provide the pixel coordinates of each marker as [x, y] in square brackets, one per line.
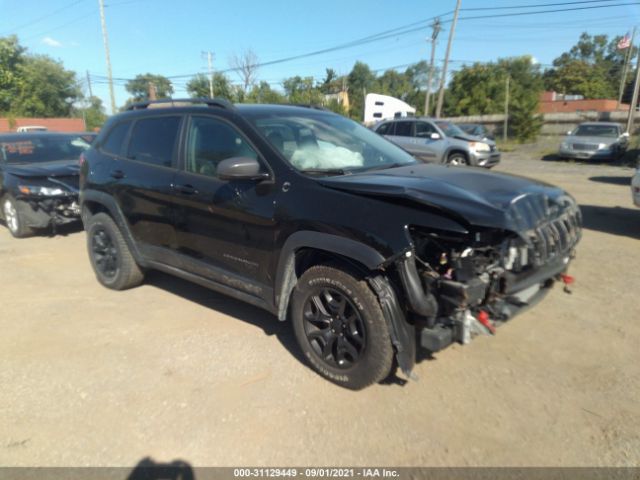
[179, 102]
[309, 105]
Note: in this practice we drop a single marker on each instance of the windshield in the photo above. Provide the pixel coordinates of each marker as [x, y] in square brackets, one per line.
[318, 141]
[449, 129]
[39, 149]
[597, 131]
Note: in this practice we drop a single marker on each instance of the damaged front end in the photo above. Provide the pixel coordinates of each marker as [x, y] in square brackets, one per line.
[458, 286]
[49, 203]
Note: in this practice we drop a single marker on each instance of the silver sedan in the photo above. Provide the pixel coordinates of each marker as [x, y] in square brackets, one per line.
[595, 140]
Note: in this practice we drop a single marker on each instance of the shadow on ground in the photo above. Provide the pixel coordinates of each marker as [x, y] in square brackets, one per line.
[629, 159]
[245, 312]
[614, 220]
[61, 230]
[623, 181]
[147, 469]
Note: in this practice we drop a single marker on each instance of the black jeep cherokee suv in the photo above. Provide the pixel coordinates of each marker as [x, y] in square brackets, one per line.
[315, 218]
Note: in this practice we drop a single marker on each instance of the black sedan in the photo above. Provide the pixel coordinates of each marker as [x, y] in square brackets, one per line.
[39, 176]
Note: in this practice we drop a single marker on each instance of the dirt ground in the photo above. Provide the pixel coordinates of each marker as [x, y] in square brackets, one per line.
[171, 370]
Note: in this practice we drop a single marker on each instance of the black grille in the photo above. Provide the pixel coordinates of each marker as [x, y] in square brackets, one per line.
[555, 238]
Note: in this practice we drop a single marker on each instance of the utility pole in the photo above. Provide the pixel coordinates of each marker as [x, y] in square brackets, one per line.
[434, 37]
[105, 39]
[443, 79]
[153, 93]
[210, 64]
[89, 84]
[634, 101]
[625, 71]
[505, 127]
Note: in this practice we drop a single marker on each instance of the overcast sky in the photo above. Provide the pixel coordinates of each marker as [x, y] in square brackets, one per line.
[169, 37]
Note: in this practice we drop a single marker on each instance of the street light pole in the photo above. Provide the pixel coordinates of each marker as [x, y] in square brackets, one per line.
[105, 39]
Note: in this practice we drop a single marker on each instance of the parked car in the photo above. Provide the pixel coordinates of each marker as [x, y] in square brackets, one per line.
[635, 188]
[39, 176]
[476, 130]
[31, 128]
[439, 141]
[596, 141]
[316, 219]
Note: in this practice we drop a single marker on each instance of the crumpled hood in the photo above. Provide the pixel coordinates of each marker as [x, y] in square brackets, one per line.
[62, 168]
[473, 196]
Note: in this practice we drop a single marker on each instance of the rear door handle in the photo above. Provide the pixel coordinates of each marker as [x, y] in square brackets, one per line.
[117, 174]
[185, 189]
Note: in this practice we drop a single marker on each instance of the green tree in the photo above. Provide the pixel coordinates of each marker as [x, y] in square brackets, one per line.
[302, 90]
[592, 67]
[480, 89]
[94, 114]
[139, 87]
[361, 81]
[198, 86]
[44, 88]
[263, 93]
[11, 57]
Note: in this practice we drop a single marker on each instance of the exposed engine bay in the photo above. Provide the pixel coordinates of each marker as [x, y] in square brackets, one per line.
[468, 284]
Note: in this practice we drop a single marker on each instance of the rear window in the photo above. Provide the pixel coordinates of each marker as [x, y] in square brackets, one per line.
[113, 143]
[35, 149]
[403, 129]
[153, 140]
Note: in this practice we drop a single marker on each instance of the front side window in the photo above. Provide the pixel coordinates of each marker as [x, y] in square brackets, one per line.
[424, 129]
[384, 129]
[209, 141]
[153, 140]
[318, 141]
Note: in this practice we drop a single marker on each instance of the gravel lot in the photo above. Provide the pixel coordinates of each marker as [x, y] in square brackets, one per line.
[171, 371]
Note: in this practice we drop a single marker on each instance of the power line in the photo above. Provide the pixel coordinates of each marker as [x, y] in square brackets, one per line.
[533, 6]
[75, 20]
[44, 17]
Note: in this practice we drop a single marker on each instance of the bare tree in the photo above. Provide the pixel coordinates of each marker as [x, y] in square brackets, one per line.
[246, 66]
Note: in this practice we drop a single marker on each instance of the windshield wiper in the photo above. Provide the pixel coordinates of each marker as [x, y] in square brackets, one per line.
[384, 167]
[325, 171]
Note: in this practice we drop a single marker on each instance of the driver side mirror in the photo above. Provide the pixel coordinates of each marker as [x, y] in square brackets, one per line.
[240, 168]
[625, 135]
[435, 136]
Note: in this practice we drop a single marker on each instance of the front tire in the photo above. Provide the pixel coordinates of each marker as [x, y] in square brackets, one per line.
[110, 257]
[457, 158]
[13, 218]
[340, 327]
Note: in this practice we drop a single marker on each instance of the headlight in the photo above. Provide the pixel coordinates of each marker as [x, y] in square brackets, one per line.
[480, 147]
[44, 191]
[603, 146]
[565, 146]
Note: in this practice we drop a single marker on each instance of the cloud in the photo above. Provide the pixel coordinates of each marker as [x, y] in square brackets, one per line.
[52, 42]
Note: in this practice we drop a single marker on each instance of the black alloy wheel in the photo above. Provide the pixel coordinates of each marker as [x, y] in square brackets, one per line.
[334, 328]
[104, 253]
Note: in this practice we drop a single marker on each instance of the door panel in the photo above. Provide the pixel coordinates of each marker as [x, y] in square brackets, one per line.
[423, 146]
[222, 226]
[143, 184]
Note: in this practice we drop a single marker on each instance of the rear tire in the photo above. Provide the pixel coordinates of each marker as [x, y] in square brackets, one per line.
[340, 327]
[13, 218]
[110, 256]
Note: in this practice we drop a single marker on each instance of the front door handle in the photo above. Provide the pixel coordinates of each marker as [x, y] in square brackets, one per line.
[185, 189]
[117, 174]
